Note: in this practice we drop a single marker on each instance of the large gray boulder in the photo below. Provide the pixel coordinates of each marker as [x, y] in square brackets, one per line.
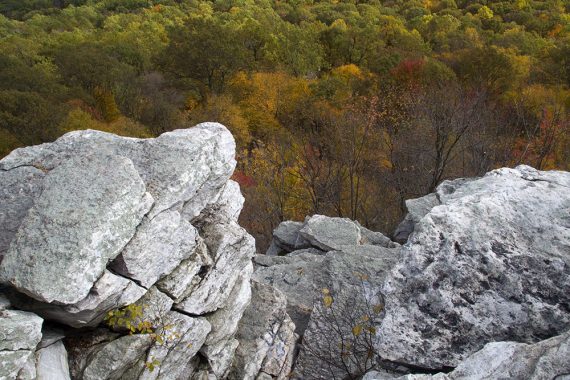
[110, 361]
[231, 249]
[329, 234]
[87, 212]
[299, 278]
[180, 339]
[186, 167]
[286, 238]
[219, 347]
[492, 262]
[94, 222]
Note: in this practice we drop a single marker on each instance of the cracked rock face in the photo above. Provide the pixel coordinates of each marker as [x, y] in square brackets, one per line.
[266, 336]
[547, 359]
[70, 233]
[94, 222]
[492, 262]
[20, 333]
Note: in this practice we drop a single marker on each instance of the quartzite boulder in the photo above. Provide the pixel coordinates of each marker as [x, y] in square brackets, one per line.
[93, 222]
[87, 212]
[491, 263]
[52, 363]
[108, 293]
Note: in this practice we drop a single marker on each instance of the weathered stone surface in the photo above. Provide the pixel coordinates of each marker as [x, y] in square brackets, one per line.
[226, 207]
[158, 246]
[108, 293]
[417, 209]
[81, 347]
[299, 277]
[286, 238]
[182, 338]
[231, 249]
[369, 237]
[331, 348]
[88, 210]
[492, 262]
[182, 280]
[547, 359]
[19, 188]
[51, 363]
[219, 357]
[113, 359]
[325, 234]
[12, 362]
[266, 336]
[225, 320]
[28, 371]
[19, 330]
[186, 167]
[329, 233]
[50, 335]
[155, 305]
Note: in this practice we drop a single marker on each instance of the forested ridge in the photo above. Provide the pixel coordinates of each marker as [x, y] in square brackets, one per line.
[344, 108]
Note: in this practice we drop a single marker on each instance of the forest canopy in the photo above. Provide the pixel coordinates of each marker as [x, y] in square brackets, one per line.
[344, 108]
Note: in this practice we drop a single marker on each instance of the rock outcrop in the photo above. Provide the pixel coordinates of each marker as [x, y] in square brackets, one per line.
[490, 263]
[349, 263]
[123, 259]
[95, 222]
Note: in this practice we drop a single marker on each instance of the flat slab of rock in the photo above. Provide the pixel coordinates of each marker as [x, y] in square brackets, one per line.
[19, 330]
[87, 212]
[51, 363]
[286, 238]
[20, 333]
[157, 248]
[299, 277]
[329, 234]
[108, 293]
[338, 341]
[492, 262]
[113, 359]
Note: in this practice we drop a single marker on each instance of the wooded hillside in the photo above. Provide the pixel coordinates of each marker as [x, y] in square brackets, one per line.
[344, 108]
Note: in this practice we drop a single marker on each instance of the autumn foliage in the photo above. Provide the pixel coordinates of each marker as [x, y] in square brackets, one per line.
[344, 108]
